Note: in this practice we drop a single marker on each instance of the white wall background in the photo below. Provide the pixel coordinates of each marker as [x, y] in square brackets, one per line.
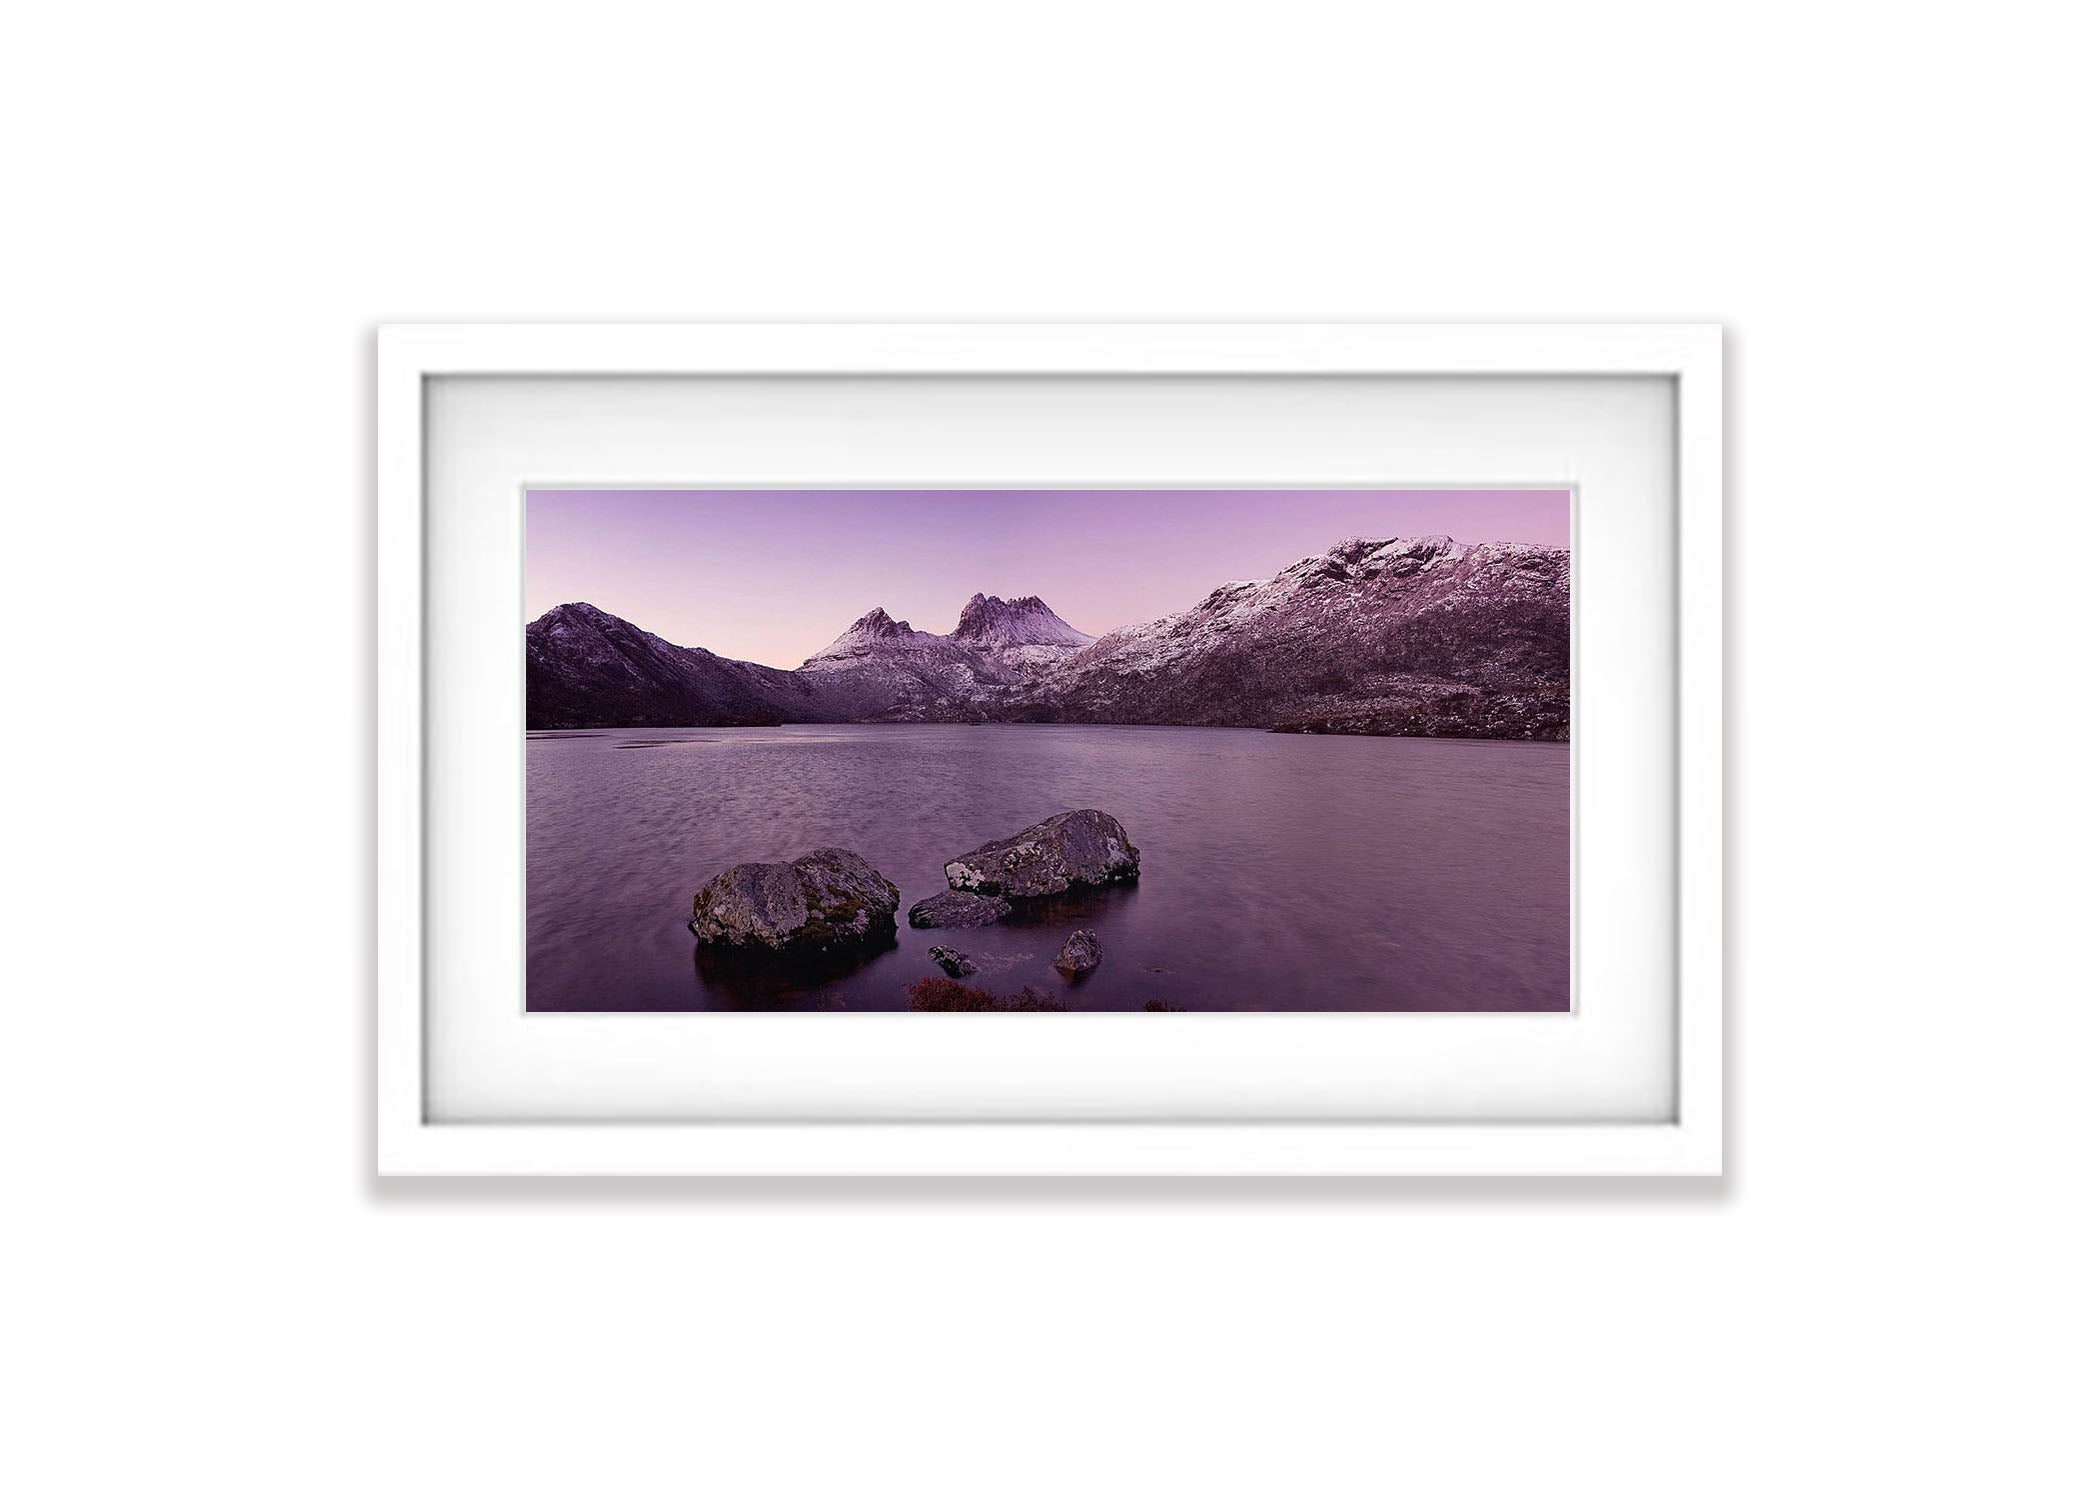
[212, 204]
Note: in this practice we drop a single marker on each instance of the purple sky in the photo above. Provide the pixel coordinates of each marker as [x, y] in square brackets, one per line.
[774, 575]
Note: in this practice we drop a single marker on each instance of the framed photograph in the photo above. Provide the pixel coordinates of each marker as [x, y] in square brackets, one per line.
[1050, 749]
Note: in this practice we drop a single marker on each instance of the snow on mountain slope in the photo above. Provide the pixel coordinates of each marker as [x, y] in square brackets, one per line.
[872, 634]
[1399, 635]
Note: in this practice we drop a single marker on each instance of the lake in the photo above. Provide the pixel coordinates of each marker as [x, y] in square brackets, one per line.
[1279, 872]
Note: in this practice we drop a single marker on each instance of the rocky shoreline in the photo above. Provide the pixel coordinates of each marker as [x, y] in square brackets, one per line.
[1458, 717]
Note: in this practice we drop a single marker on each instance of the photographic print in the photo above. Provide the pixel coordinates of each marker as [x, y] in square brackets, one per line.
[1048, 750]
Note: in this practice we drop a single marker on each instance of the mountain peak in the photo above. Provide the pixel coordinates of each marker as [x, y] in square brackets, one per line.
[1015, 622]
[1355, 549]
[876, 623]
[578, 613]
[1356, 555]
[863, 635]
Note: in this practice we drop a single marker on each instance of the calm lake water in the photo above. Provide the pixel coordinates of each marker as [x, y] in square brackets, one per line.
[1280, 872]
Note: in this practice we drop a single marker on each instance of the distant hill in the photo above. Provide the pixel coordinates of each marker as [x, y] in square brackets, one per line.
[587, 669]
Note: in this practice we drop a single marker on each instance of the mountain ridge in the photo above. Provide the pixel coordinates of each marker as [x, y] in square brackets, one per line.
[1416, 635]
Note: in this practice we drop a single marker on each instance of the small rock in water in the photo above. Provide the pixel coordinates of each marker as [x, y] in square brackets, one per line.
[954, 961]
[1081, 954]
[828, 900]
[1084, 847]
[954, 909]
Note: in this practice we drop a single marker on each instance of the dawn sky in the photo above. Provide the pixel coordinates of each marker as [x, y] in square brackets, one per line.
[773, 576]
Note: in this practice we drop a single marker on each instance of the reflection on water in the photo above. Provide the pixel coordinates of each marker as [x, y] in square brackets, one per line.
[744, 979]
[1280, 872]
[1087, 908]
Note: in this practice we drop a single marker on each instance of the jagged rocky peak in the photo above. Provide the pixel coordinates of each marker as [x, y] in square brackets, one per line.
[993, 621]
[877, 625]
[1356, 558]
[869, 633]
[1354, 549]
[1421, 547]
[1378, 553]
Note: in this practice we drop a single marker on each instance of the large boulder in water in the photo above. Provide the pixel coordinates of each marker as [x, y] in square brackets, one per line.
[1073, 849]
[826, 901]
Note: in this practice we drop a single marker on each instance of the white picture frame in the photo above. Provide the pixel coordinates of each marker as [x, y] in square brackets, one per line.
[1686, 1140]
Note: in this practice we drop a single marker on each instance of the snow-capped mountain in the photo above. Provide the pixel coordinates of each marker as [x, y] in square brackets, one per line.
[1000, 623]
[873, 633]
[1414, 635]
[883, 669]
[1396, 636]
